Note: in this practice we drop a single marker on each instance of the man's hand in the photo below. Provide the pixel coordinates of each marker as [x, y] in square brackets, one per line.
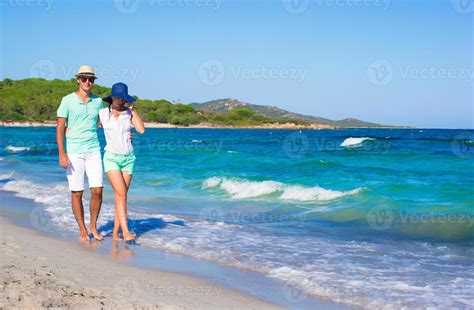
[64, 161]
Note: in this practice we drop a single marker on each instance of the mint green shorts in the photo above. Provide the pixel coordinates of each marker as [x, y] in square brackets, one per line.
[118, 162]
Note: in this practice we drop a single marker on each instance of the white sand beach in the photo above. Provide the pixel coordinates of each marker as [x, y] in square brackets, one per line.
[41, 272]
[202, 125]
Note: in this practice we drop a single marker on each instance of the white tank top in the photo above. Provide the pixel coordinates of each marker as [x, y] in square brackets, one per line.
[117, 131]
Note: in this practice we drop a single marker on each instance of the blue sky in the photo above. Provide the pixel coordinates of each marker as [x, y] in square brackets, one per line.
[395, 62]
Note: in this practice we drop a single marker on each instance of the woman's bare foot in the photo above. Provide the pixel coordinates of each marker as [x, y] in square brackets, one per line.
[97, 235]
[116, 237]
[129, 237]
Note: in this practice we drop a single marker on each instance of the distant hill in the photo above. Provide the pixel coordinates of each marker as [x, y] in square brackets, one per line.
[36, 100]
[224, 105]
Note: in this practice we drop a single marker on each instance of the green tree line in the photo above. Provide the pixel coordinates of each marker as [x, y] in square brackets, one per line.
[37, 99]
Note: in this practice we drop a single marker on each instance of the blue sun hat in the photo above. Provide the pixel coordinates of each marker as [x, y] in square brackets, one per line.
[119, 90]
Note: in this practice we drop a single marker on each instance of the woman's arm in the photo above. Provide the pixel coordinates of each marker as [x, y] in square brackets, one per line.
[137, 121]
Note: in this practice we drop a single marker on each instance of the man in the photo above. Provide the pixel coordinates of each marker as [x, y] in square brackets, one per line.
[77, 121]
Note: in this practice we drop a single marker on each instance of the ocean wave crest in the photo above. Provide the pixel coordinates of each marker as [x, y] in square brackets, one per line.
[352, 142]
[6, 176]
[16, 149]
[245, 189]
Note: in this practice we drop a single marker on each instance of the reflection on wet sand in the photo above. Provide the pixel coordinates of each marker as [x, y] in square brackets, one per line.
[124, 254]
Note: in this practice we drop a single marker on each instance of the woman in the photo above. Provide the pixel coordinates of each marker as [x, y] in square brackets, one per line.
[119, 159]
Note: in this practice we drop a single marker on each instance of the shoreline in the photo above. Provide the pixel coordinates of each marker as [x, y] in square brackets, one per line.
[56, 273]
[287, 126]
[201, 125]
[213, 126]
[52, 272]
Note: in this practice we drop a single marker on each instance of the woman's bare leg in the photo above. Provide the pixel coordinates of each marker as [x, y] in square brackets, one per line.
[128, 179]
[115, 233]
[117, 181]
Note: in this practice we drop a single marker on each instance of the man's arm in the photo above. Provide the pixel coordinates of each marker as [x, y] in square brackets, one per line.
[60, 131]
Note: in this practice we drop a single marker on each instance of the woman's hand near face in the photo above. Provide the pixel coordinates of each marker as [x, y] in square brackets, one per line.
[137, 120]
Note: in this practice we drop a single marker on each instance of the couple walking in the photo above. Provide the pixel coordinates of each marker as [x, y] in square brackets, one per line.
[80, 114]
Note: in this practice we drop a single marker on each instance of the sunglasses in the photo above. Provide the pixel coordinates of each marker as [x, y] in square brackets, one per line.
[84, 79]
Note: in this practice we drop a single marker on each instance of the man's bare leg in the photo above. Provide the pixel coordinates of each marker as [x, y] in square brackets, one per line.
[78, 210]
[95, 205]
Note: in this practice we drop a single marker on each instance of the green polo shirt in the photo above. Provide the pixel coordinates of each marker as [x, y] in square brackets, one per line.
[81, 123]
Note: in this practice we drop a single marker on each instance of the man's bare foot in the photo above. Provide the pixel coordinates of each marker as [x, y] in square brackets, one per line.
[84, 236]
[97, 235]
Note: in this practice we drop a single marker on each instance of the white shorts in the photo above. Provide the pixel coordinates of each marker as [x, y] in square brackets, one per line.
[91, 164]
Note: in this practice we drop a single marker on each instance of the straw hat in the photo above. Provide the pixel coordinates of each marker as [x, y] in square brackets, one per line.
[85, 71]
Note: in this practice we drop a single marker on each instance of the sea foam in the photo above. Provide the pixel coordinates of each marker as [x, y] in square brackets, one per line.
[245, 189]
[55, 200]
[353, 142]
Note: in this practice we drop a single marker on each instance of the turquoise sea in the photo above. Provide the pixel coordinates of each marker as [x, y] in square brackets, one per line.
[366, 217]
